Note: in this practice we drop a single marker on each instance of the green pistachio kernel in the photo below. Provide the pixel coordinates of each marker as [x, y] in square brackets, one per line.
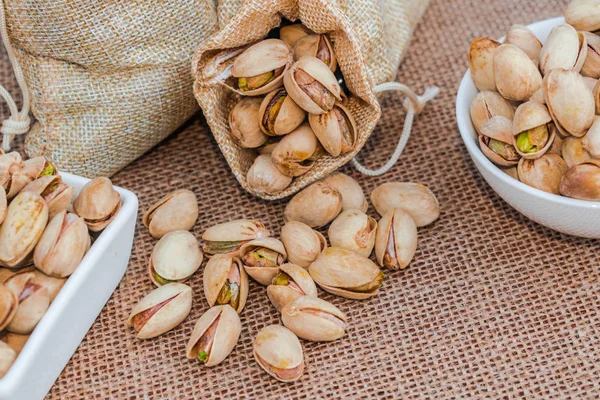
[161, 281]
[49, 169]
[203, 356]
[371, 286]
[282, 279]
[229, 294]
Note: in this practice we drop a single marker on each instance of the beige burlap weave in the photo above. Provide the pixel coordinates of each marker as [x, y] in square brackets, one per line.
[369, 38]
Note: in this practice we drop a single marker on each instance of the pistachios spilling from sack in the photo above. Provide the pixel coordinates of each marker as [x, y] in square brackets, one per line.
[537, 110]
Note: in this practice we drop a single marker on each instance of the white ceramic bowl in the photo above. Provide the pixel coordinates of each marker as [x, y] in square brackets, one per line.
[574, 217]
[76, 307]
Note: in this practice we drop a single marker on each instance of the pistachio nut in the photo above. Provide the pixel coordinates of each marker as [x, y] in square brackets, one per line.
[31, 170]
[591, 67]
[292, 33]
[175, 258]
[596, 95]
[522, 37]
[590, 82]
[97, 203]
[573, 151]
[582, 181]
[8, 306]
[533, 130]
[543, 173]
[353, 197]
[312, 85]
[54, 191]
[62, 245]
[296, 153]
[570, 102]
[557, 144]
[15, 341]
[591, 141]
[496, 142]
[517, 77]
[3, 205]
[23, 226]
[539, 96]
[302, 243]
[7, 358]
[292, 281]
[511, 171]
[316, 206]
[53, 285]
[336, 130]
[11, 165]
[33, 298]
[583, 15]
[487, 105]
[161, 310]
[265, 178]
[396, 241]
[565, 48]
[228, 237]
[344, 273]
[6, 273]
[214, 336]
[318, 46]
[260, 68]
[244, 123]
[261, 259]
[226, 282]
[314, 319]
[267, 148]
[278, 351]
[353, 230]
[176, 211]
[279, 114]
[481, 63]
[416, 199]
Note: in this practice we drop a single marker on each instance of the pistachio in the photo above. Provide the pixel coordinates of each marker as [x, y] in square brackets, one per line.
[522, 37]
[314, 319]
[565, 48]
[318, 46]
[303, 244]
[353, 230]
[591, 141]
[481, 56]
[517, 77]
[511, 171]
[584, 15]
[292, 33]
[11, 165]
[262, 258]
[296, 153]
[33, 298]
[15, 341]
[487, 105]
[7, 358]
[161, 310]
[278, 351]
[533, 131]
[214, 336]
[244, 122]
[6, 273]
[347, 274]
[54, 191]
[279, 114]
[353, 197]
[591, 67]
[396, 241]
[417, 200]
[292, 281]
[336, 130]
[582, 181]
[97, 203]
[496, 142]
[265, 178]
[175, 258]
[3, 205]
[543, 173]
[539, 96]
[53, 285]
[176, 211]
[226, 282]
[228, 237]
[316, 205]
[573, 151]
[8, 306]
[596, 96]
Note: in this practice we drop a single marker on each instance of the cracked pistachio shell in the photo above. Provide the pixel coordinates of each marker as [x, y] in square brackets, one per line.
[582, 181]
[590, 82]
[529, 116]
[539, 96]
[176, 211]
[11, 178]
[302, 243]
[318, 46]
[344, 273]
[498, 129]
[396, 241]
[53, 285]
[294, 154]
[175, 258]
[244, 123]
[6, 273]
[314, 319]
[416, 199]
[591, 141]
[543, 173]
[596, 95]
[34, 301]
[591, 67]
[292, 33]
[62, 246]
[263, 274]
[3, 205]
[8, 306]
[316, 206]
[161, 310]
[298, 282]
[221, 269]
[517, 77]
[7, 358]
[522, 37]
[279, 114]
[228, 237]
[487, 105]
[24, 223]
[353, 230]
[15, 341]
[511, 171]
[481, 57]
[216, 332]
[54, 191]
[573, 152]
[318, 96]
[278, 351]
[565, 48]
[265, 178]
[336, 130]
[353, 197]
[570, 102]
[583, 15]
[98, 203]
[557, 143]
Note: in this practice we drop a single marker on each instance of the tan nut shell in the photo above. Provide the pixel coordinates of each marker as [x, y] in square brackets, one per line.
[175, 257]
[327, 129]
[3, 204]
[7, 358]
[481, 57]
[353, 230]
[263, 275]
[404, 234]
[53, 285]
[591, 141]
[281, 295]
[289, 117]
[528, 116]
[170, 315]
[584, 15]
[237, 230]
[353, 197]
[573, 152]
[264, 177]
[244, 123]
[8, 306]
[280, 348]
[96, 202]
[176, 211]
[59, 203]
[517, 77]
[226, 336]
[309, 46]
[16, 341]
[291, 154]
[522, 37]
[591, 67]
[487, 105]
[416, 199]
[309, 326]
[316, 205]
[292, 33]
[565, 48]
[544, 173]
[29, 311]
[215, 276]
[303, 244]
[582, 181]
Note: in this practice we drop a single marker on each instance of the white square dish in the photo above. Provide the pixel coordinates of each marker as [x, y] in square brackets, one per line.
[76, 307]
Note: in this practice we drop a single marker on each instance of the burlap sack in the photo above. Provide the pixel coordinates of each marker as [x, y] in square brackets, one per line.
[108, 79]
[369, 36]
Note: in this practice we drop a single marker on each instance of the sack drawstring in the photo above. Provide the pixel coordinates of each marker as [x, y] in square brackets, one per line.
[18, 123]
[413, 105]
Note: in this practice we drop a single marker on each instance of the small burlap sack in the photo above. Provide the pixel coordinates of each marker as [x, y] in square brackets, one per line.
[107, 79]
[369, 38]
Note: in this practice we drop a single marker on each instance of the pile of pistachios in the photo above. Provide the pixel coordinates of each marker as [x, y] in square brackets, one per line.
[43, 238]
[537, 110]
[290, 267]
[294, 77]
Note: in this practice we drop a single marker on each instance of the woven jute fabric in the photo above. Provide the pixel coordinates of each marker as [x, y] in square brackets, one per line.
[109, 80]
[369, 39]
[493, 306]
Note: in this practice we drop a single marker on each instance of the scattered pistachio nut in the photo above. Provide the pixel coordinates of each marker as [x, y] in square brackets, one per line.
[278, 351]
[261, 259]
[544, 173]
[98, 203]
[297, 152]
[396, 241]
[279, 114]
[481, 63]
[228, 237]
[318, 46]
[353, 197]
[244, 123]
[7, 358]
[353, 230]
[175, 258]
[292, 281]
[314, 319]
[176, 211]
[316, 206]
[34, 300]
[302, 243]
[417, 200]
[226, 282]
[335, 129]
[265, 178]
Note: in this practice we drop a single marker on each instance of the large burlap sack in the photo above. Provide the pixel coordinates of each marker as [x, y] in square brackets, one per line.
[369, 37]
[108, 79]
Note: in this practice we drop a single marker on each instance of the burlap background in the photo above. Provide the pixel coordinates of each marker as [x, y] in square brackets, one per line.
[493, 306]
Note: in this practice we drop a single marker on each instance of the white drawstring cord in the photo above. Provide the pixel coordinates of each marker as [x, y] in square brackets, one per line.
[413, 105]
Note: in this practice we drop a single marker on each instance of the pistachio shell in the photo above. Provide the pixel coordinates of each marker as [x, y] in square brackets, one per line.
[396, 241]
[263, 274]
[583, 15]
[528, 116]
[292, 33]
[7, 358]
[522, 37]
[12, 177]
[591, 141]
[299, 284]
[16, 341]
[573, 152]
[318, 46]
[218, 272]
[176, 211]
[417, 200]
[596, 95]
[8, 306]
[498, 129]
[487, 105]
[3, 205]
[314, 319]
[591, 67]
[544, 173]
[517, 77]
[175, 257]
[353, 230]
[481, 56]
[57, 194]
[303, 244]
[277, 123]
[539, 96]
[6, 273]
[293, 154]
[316, 205]
[278, 351]
[53, 285]
[335, 129]
[34, 300]
[565, 48]
[511, 171]
[244, 122]
[582, 181]
[98, 203]
[235, 232]
[353, 197]
[264, 177]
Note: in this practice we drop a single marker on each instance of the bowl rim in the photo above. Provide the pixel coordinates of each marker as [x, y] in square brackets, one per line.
[466, 129]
